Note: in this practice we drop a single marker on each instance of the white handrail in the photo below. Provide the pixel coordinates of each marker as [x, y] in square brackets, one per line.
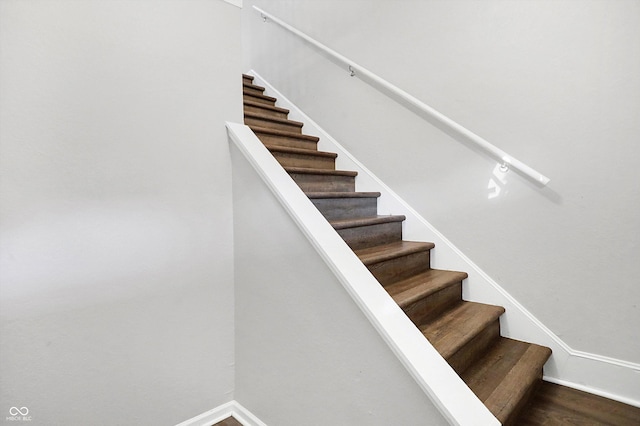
[438, 117]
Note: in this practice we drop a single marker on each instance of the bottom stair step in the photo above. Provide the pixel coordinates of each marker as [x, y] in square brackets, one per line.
[506, 376]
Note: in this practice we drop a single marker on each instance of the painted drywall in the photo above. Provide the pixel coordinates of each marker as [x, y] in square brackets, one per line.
[115, 209]
[553, 83]
[305, 353]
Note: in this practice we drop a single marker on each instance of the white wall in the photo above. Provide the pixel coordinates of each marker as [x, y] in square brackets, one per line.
[117, 249]
[554, 83]
[305, 353]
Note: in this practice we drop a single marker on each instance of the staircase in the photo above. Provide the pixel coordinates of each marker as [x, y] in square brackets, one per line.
[505, 374]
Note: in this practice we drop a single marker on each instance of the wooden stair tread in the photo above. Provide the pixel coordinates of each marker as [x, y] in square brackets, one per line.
[459, 325]
[484, 376]
[371, 255]
[506, 375]
[283, 133]
[302, 151]
[229, 421]
[248, 77]
[365, 221]
[310, 171]
[555, 405]
[248, 102]
[252, 86]
[422, 285]
[250, 95]
[321, 195]
[273, 119]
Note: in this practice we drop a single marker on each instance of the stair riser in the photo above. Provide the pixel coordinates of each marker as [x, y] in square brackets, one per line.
[257, 98]
[302, 160]
[252, 91]
[343, 208]
[512, 419]
[324, 183]
[397, 269]
[473, 350]
[265, 111]
[432, 306]
[247, 80]
[369, 236]
[252, 121]
[268, 139]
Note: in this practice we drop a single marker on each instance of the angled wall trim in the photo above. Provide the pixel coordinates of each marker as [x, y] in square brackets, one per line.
[235, 2]
[231, 408]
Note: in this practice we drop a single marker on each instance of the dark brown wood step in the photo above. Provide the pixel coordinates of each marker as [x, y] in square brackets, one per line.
[506, 376]
[553, 404]
[455, 332]
[424, 296]
[271, 122]
[318, 180]
[229, 421]
[369, 231]
[283, 138]
[307, 158]
[248, 77]
[342, 205]
[396, 261]
[261, 108]
[250, 88]
[260, 98]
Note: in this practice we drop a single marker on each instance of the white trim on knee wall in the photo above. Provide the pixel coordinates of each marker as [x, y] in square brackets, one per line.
[230, 409]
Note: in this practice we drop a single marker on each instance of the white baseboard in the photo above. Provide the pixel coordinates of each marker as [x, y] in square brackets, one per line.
[230, 409]
[615, 379]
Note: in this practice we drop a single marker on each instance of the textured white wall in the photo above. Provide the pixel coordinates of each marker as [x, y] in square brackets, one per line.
[554, 83]
[305, 353]
[115, 205]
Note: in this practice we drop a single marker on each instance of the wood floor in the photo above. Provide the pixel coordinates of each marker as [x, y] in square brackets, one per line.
[229, 421]
[559, 405]
[505, 374]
